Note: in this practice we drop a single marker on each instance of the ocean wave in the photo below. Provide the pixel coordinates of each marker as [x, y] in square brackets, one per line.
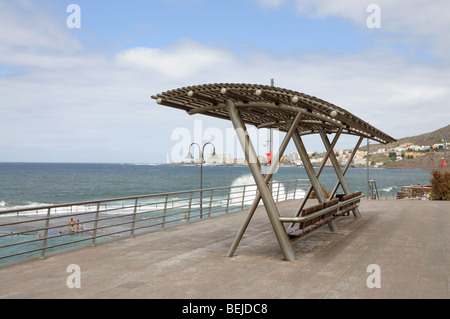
[389, 189]
[243, 192]
[6, 206]
[278, 189]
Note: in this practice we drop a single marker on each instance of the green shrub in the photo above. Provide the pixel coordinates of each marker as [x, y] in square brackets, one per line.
[440, 185]
[325, 192]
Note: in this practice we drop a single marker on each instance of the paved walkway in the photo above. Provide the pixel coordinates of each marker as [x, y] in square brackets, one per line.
[408, 239]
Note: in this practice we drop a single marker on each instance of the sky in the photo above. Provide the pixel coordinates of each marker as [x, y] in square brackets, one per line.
[76, 81]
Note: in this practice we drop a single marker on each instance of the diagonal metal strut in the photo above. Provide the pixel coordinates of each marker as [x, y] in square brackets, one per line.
[338, 171]
[265, 193]
[312, 176]
[319, 171]
[268, 178]
[349, 162]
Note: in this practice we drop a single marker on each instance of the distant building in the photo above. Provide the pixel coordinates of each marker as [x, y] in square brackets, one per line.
[218, 158]
[293, 157]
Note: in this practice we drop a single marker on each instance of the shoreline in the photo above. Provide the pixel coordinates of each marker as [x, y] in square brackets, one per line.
[288, 165]
[389, 166]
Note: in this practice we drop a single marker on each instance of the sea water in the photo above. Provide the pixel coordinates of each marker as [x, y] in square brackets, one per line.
[25, 185]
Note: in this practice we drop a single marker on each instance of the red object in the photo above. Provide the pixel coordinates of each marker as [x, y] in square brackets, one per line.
[443, 163]
[269, 157]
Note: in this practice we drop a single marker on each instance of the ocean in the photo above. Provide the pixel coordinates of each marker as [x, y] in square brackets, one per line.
[25, 185]
[34, 184]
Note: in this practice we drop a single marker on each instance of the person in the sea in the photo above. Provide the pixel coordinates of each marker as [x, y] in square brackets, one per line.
[71, 223]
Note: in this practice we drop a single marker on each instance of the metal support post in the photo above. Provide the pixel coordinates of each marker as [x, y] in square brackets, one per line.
[308, 167]
[255, 168]
[336, 166]
[312, 176]
[338, 171]
[94, 233]
[273, 166]
[319, 171]
[165, 212]
[133, 223]
[44, 242]
[333, 192]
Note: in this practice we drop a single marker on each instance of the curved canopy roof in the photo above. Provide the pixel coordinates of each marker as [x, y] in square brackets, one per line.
[270, 107]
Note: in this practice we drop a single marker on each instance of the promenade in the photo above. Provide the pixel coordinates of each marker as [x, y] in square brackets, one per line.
[408, 239]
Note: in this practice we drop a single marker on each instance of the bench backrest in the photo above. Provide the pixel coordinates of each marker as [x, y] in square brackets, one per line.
[332, 202]
[316, 208]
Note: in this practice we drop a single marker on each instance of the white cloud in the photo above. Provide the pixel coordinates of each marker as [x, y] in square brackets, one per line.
[271, 3]
[32, 37]
[184, 59]
[410, 22]
[74, 106]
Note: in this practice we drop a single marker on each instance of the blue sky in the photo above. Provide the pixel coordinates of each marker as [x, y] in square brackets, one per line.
[82, 95]
[228, 24]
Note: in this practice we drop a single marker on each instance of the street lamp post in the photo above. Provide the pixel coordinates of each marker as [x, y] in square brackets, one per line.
[201, 152]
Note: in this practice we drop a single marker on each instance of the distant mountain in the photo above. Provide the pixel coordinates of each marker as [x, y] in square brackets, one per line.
[430, 160]
[431, 138]
[434, 137]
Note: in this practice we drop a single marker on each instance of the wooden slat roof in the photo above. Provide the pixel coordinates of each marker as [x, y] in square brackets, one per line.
[270, 107]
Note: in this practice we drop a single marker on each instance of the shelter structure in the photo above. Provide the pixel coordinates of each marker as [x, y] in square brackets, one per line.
[295, 114]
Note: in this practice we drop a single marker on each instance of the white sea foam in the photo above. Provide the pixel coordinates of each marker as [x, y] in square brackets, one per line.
[278, 189]
[389, 189]
[176, 202]
[5, 206]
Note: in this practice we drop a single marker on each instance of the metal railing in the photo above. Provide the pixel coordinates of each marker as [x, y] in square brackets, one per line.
[38, 230]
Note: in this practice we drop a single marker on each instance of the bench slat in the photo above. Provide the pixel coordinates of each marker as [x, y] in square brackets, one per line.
[316, 216]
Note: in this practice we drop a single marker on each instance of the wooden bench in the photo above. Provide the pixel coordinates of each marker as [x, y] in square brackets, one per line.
[348, 207]
[312, 218]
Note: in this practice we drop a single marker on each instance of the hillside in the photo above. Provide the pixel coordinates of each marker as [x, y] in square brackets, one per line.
[430, 160]
[427, 138]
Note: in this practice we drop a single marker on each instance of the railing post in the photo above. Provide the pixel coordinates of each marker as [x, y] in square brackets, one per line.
[165, 212]
[243, 197]
[228, 200]
[134, 217]
[94, 232]
[189, 210]
[295, 188]
[287, 190]
[210, 203]
[278, 191]
[44, 241]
